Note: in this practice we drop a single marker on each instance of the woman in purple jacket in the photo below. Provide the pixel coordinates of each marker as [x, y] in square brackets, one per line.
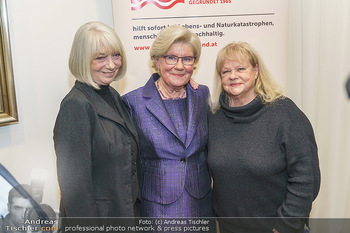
[171, 119]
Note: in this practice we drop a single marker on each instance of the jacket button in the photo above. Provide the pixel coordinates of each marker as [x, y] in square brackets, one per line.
[134, 162]
[182, 160]
[133, 172]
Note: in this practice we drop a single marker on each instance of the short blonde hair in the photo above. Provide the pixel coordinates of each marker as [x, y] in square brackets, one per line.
[265, 86]
[87, 44]
[171, 35]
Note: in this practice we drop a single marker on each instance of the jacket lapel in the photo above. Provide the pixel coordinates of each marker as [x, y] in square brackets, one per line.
[156, 107]
[193, 108]
[101, 106]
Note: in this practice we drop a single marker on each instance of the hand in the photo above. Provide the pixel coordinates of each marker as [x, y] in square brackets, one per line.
[194, 84]
[275, 231]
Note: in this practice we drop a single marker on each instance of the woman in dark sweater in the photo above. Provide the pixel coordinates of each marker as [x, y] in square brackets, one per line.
[262, 150]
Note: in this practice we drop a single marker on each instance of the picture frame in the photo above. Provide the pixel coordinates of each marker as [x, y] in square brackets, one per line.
[8, 104]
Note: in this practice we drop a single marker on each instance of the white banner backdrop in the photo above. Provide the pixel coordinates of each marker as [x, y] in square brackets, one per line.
[264, 24]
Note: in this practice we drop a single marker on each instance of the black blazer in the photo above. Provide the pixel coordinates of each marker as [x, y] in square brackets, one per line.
[96, 165]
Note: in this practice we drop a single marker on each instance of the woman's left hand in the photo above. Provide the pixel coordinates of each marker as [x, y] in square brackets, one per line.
[194, 84]
[275, 231]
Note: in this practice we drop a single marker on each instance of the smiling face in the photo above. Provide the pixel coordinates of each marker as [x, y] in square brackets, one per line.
[105, 67]
[238, 80]
[176, 76]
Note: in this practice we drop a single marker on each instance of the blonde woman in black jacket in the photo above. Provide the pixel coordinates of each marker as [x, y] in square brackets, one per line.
[95, 139]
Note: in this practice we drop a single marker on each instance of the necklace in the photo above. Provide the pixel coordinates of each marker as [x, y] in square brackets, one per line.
[169, 98]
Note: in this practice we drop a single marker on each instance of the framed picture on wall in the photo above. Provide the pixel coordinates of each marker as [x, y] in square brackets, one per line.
[8, 105]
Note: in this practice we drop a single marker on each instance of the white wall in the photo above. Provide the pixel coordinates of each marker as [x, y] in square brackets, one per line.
[41, 33]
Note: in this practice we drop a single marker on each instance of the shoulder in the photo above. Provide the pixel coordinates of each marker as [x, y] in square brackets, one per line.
[77, 101]
[287, 107]
[75, 97]
[146, 91]
[217, 117]
[2, 225]
[290, 112]
[5, 221]
[285, 102]
[202, 90]
[133, 96]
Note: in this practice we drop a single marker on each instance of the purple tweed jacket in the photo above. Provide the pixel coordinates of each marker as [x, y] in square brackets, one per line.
[169, 165]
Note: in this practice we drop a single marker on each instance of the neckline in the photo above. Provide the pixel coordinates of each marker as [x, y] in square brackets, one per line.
[164, 97]
[243, 114]
[104, 89]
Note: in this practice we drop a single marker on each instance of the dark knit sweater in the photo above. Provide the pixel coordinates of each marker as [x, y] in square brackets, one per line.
[264, 162]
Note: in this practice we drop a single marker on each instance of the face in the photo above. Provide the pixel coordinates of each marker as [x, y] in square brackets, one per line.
[17, 209]
[238, 79]
[176, 76]
[105, 67]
